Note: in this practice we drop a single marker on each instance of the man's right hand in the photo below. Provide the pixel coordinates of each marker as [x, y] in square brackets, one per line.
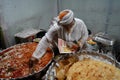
[33, 61]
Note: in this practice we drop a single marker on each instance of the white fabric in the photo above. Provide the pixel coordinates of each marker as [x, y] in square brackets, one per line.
[45, 41]
[41, 48]
[78, 32]
[68, 18]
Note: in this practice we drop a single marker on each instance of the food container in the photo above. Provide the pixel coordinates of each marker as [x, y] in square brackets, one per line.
[26, 35]
[51, 73]
[31, 76]
[66, 47]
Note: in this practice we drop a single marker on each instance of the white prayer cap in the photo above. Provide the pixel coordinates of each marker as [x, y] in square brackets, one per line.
[66, 16]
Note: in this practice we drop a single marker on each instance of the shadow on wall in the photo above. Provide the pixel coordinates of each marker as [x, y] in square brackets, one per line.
[117, 50]
[2, 43]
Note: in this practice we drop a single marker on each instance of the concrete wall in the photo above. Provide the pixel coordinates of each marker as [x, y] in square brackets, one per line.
[17, 15]
[99, 15]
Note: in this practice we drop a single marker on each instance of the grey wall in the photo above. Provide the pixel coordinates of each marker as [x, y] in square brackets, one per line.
[99, 15]
[17, 15]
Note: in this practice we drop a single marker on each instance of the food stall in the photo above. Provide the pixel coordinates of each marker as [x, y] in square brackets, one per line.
[84, 64]
[75, 48]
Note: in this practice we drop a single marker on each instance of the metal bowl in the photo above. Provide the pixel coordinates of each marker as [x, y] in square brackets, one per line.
[51, 73]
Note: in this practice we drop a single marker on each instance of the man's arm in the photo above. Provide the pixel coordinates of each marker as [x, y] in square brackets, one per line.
[41, 48]
[45, 41]
[43, 45]
[84, 35]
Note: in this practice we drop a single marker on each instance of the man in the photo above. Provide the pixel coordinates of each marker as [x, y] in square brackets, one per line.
[66, 27]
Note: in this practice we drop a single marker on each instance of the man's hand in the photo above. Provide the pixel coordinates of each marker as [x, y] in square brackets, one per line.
[74, 46]
[33, 61]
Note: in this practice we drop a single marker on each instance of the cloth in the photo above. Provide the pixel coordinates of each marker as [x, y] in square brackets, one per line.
[67, 18]
[78, 32]
[41, 48]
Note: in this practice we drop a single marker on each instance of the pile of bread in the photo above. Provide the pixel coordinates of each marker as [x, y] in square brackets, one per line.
[87, 69]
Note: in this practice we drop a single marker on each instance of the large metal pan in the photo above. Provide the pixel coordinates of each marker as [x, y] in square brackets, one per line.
[51, 73]
[32, 76]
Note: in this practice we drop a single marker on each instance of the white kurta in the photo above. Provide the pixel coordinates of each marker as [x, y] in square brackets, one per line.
[78, 32]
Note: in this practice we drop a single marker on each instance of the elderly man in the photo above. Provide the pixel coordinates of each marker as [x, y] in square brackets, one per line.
[65, 27]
